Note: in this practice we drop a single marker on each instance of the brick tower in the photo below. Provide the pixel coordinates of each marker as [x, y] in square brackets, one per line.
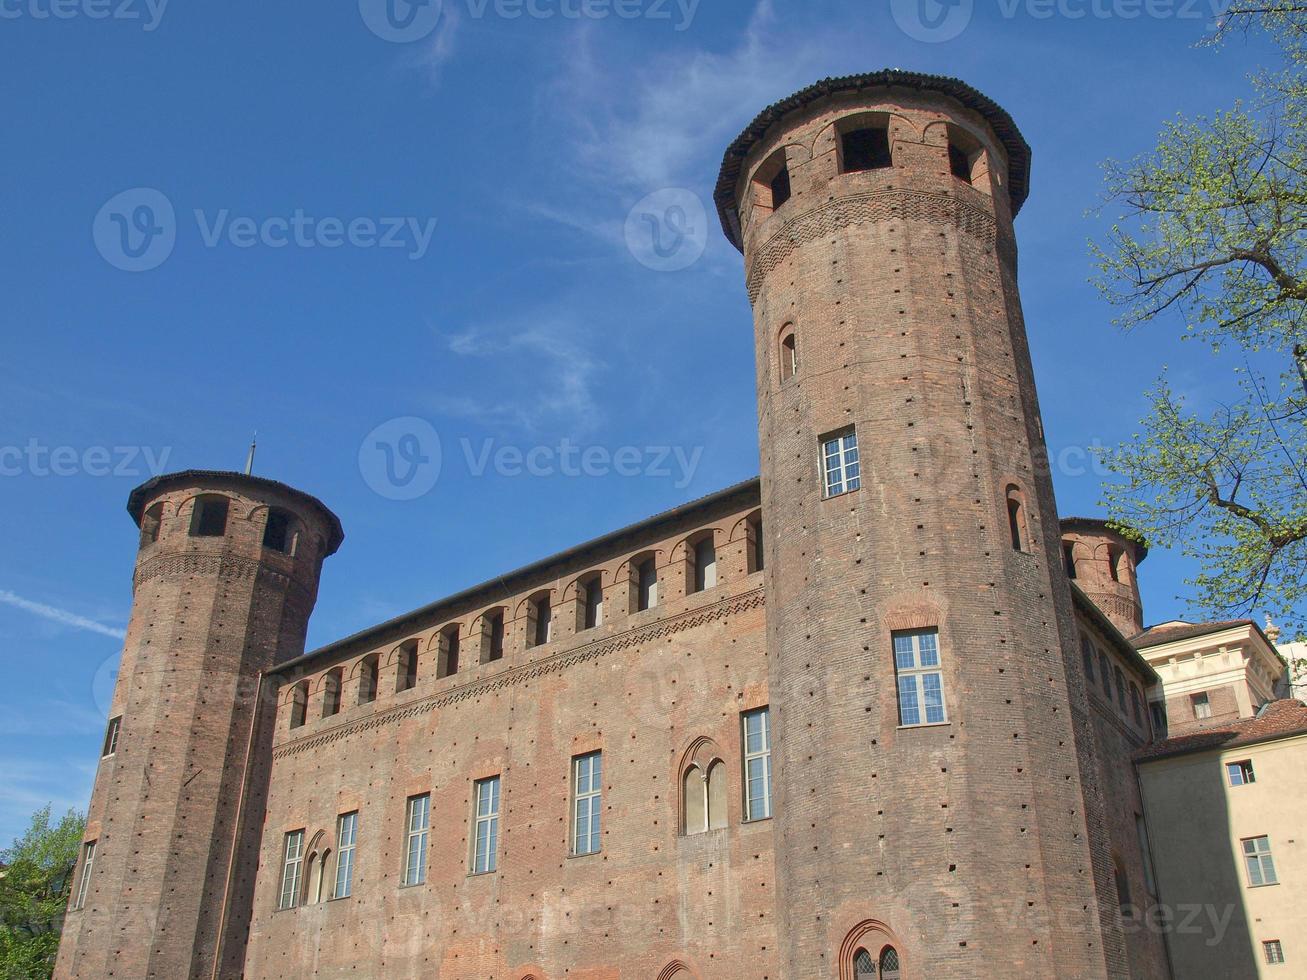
[1104, 563]
[932, 743]
[226, 577]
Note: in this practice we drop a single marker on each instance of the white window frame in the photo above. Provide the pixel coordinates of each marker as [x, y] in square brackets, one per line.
[112, 731]
[485, 835]
[841, 469]
[347, 830]
[292, 870]
[417, 823]
[1273, 951]
[84, 881]
[757, 762]
[587, 798]
[1243, 770]
[1205, 704]
[913, 672]
[1258, 862]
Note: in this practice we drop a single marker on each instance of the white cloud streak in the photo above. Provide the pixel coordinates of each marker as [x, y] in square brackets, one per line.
[61, 616]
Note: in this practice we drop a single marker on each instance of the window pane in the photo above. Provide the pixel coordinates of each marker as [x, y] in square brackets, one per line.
[929, 649]
[909, 713]
[904, 657]
[933, 687]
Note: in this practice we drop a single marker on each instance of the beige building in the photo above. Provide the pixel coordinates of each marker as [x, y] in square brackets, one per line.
[1225, 808]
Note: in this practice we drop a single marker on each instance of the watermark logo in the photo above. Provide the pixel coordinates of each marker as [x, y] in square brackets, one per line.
[400, 459]
[35, 458]
[932, 21]
[401, 21]
[667, 230]
[148, 12]
[136, 230]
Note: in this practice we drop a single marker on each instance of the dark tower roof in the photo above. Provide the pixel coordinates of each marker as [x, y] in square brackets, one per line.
[1018, 151]
[217, 478]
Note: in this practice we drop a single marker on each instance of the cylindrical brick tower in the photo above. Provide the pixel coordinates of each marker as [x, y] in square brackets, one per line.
[931, 737]
[226, 577]
[1104, 563]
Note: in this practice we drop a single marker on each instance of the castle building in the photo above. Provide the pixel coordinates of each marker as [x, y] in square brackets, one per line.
[871, 716]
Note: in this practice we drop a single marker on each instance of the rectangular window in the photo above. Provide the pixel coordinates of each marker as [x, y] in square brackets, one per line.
[1120, 688]
[419, 823]
[84, 882]
[1202, 705]
[1257, 858]
[1273, 951]
[1240, 773]
[111, 736]
[839, 456]
[346, 837]
[647, 585]
[1105, 673]
[594, 603]
[1158, 711]
[587, 775]
[292, 870]
[921, 682]
[1087, 656]
[865, 149]
[486, 836]
[705, 565]
[757, 764]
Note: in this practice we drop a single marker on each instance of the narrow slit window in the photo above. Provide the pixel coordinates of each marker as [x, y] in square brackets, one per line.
[84, 881]
[587, 775]
[111, 736]
[789, 356]
[542, 621]
[959, 162]
[757, 764]
[346, 841]
[368, 679]
[447, 664]
[406, 677]
[594, 603]
[1069, 559]
[494, 636]
[418, 822]
[299, 705]
[647, 584]
[780, 187]
[705, 564]
[331, 693]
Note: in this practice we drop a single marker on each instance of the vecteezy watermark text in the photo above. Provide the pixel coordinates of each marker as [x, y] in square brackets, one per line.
[402, 459]
[137, 230]
[148, 12]
[942, 20]
[37, 459]
[406, 21]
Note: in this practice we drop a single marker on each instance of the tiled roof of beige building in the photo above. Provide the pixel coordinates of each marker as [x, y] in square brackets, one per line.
[1278, 719]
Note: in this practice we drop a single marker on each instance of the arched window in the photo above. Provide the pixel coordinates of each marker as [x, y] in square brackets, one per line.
[209, 516]
[591, 601]
[864, 142]
[703, 559]
[703, 798]
[1105, 673]
[368, 671]
[299, 704]
[406, 677]
[151, 522]
[1069, 558]
[1016, 519]
[1114, 563]
[276, 533]
[757, 553]
[1136, 704]
[1087, 656]
[789, 353]
[773, 181]
[331, 692]
[889, 963]
[717, 795]
[492, 636]
[964, 153]
[447, 652]
[646, 584]
[864, 967]
[540, 624]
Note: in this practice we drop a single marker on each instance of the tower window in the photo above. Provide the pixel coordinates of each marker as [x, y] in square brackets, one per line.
[492, 636]
[646, 573]
[789, 355]
[84, 881]
[209, 519]
[1201, 704]
[757, 764]
[276, 533]
[1016, 519]
[757, 553]
[1240, 773]
[920, 678]
[865, 149]
[111, 736]
[299, 704]
[331, 693]
[407, 675]
[592, 602]
[292, 870]
[368, 671]
[447, 658]
[780, 187]
[587, 775]
[1257, 859]
[705, 564]
[418, 821]
[485, 846]
[959, 162]
[542, 621]
[840, 468]
[151, 522]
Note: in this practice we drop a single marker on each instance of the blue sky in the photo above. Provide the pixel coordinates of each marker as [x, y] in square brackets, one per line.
[511, 315]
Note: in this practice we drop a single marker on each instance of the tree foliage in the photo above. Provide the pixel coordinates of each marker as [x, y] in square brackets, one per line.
[34, 890]
[1213, 232]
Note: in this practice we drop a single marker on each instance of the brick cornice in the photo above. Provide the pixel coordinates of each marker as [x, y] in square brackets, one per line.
[594, 650]
[221, 565]
[865, 209]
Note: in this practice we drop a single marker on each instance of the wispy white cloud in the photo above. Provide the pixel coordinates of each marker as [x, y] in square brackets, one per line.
[62, 616]
[553, 351]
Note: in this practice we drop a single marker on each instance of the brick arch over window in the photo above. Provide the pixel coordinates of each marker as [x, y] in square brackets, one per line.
[1018, 518]
[699, 553]
[701, 789]
[152, 523]
[488, 632]
[677, 970]
[747, 533]
[876, 938]
[297, 698]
